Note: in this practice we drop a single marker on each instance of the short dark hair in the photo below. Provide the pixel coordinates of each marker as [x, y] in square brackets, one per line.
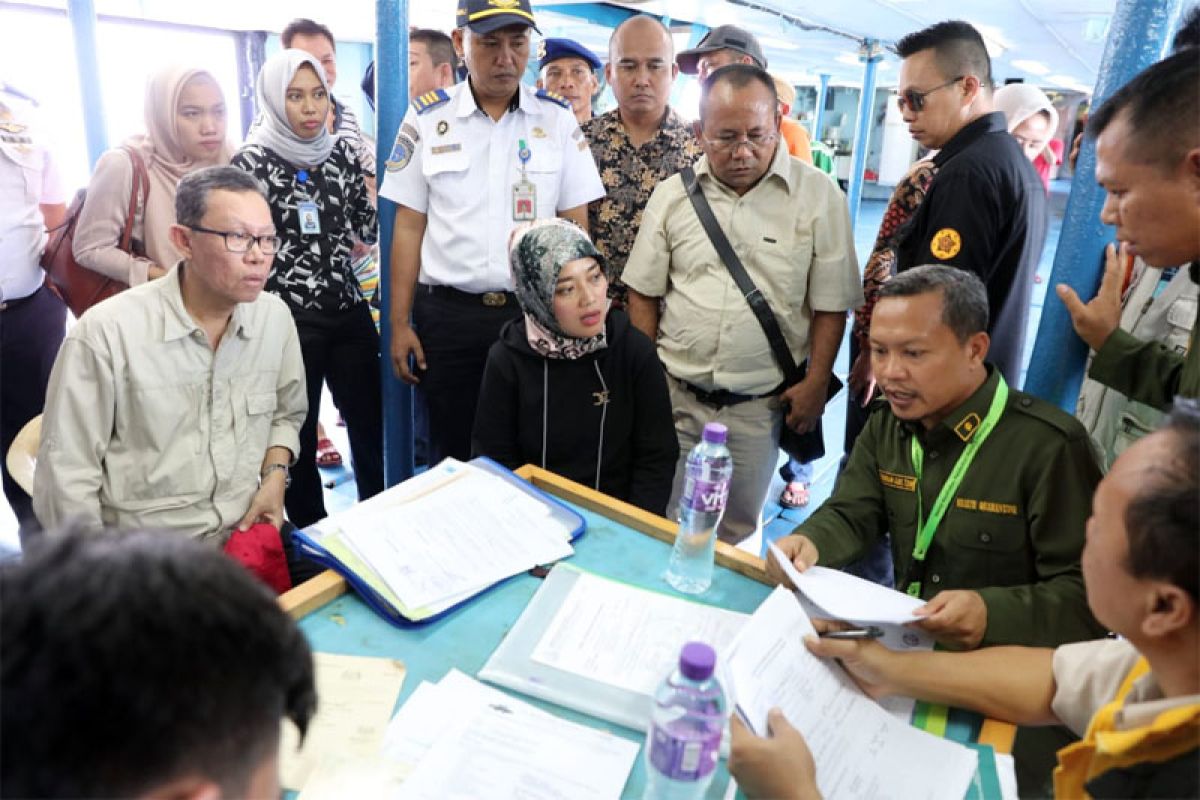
[1188, 34]
[958, 49]
[191, 196]
[738, 76]
[306, 27]
[1161, 104]
[1163, 519]
[438, 44]
[964, 298]
[129, 660]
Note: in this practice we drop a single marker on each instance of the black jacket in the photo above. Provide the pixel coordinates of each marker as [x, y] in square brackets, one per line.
[603, 420]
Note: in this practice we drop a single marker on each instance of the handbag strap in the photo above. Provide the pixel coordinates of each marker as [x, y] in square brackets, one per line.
[141, 187]
[758, 303]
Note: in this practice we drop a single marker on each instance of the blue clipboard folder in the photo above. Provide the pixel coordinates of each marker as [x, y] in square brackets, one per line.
[325, 543]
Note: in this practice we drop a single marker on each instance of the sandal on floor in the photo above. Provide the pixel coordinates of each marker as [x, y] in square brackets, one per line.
[795, 495]
[327, 454]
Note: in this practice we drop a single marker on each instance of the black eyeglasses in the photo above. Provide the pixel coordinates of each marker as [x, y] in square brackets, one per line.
[238, 242]
[915, 100]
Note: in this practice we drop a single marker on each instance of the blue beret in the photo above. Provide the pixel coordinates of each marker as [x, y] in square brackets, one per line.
[554, 49]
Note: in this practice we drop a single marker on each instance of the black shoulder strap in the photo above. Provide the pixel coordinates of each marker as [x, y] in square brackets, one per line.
[758, 303]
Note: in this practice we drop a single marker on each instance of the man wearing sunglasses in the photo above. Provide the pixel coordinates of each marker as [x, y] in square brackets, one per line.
[985, 210]
[177, 405]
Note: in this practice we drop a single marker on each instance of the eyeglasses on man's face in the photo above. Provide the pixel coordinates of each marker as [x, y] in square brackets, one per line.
[730, 143]
[238, 242]
[911, 98]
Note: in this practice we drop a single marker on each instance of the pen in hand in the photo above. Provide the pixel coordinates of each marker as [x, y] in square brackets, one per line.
[869, 632]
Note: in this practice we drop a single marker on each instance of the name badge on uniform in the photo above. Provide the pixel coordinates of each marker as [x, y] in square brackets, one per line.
[310, 219]
[524, 192]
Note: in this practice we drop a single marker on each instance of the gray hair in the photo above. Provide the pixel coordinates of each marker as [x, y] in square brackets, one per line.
[191, 197]
[964, 298]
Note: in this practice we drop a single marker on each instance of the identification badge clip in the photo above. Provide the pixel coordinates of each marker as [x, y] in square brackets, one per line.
[524, 192]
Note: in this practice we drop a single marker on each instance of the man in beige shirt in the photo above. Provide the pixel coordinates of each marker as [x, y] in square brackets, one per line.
[177, 405]
[790, 227]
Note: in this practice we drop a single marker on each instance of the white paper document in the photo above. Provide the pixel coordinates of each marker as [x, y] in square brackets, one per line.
[470, 741]
[462, 537]
[860, 750]
[628, 637]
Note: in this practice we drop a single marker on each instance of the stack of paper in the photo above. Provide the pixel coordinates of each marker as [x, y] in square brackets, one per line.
[454, 532]
[860, 750]
[459, 738]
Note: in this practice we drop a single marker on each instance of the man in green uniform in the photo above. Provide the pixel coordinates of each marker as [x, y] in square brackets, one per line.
[1148, 160]
[985, 490]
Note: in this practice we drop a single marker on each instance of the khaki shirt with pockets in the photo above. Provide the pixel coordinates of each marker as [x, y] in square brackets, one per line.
[792, 233]
[147, 427]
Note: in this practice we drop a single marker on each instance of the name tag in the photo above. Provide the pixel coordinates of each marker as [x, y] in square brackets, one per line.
[905, 483]
[986, 506]
[310, 218]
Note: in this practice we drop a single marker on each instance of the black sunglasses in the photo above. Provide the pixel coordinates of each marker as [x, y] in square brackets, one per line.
[915, 100]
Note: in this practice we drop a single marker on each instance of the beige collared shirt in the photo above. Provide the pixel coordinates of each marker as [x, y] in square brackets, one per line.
[146, 426]
[791, 231]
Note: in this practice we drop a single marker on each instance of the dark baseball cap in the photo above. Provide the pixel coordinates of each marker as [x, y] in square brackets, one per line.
[485, 16]
[550, 50]
[722, 37]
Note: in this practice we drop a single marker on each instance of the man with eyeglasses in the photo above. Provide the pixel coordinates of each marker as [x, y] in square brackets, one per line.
[177, 405]
[789, 226]
[985, 210]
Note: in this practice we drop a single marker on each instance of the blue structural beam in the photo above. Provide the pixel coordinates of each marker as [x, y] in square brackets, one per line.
[595, 13]
[82, 14]
[819, 118]
[1138, 36]
[391, 101]
[871, 54]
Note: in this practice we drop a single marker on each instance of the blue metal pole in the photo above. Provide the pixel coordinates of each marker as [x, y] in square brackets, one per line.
[82, 14]
[819, 118]
[1139, 33]
[391, 100]
[871, 53]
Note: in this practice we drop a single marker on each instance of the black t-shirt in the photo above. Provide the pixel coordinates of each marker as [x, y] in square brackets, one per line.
[985, 212]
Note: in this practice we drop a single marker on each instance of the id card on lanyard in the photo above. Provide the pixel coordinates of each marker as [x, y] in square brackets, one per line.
[524, 192]
[926, 528]
[306, 209]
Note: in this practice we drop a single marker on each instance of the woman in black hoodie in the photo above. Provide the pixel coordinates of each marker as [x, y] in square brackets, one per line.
[573, 387]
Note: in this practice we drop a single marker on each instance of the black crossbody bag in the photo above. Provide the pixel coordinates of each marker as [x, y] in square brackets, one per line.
[803, 447]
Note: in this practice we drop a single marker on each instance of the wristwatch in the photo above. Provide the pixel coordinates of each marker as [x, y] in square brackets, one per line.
[269, 468]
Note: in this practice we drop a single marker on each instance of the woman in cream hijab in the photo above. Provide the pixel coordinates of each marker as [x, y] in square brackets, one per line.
[185, 130]
[1033, 122]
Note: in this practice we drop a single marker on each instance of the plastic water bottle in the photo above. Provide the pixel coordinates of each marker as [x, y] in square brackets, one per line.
[705, 490]
[684, 738]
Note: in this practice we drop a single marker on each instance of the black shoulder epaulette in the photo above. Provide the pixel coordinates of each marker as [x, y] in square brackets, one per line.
[430, 100]
[554, 97]
[1048, 413]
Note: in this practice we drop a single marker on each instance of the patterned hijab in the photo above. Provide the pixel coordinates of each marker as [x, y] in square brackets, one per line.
[273, 130]
[537, 252]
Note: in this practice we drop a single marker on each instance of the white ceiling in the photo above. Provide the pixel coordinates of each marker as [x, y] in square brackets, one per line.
[1054, 43]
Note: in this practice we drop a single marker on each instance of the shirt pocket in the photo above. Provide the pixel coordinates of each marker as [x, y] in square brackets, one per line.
[32, 164]
[989, 550]
[784, 263]
[544, 171]
[446, 170]
[165, 434]
[254, 414]
[1181, 317]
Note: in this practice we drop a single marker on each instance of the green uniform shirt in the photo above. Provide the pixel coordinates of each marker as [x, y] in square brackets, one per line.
[1014, 532]
[1149, 372]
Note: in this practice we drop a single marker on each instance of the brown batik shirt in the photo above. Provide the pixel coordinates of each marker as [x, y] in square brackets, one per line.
[630, 174]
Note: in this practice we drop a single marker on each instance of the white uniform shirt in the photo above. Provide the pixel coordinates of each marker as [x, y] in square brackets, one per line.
[28, 178]
[457, 166]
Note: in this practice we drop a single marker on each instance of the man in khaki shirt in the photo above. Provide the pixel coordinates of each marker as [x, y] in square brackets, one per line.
[177, 405]
[790, 227]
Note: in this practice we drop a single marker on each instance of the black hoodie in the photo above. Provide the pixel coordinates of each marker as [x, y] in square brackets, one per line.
[603, 420]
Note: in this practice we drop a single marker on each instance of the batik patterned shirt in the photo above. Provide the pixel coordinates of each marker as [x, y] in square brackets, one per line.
[314, 272]
[630, 174]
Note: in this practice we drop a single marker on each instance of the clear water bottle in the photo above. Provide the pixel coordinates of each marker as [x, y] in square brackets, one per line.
[705, 490]
[684, 738]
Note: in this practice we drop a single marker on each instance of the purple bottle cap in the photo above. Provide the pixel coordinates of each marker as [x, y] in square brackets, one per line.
[697, 660]
[715, 432]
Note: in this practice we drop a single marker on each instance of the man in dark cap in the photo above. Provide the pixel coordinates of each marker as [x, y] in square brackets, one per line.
[725, 44]
[567, 68]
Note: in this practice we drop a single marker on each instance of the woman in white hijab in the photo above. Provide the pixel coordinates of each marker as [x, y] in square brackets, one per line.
[1033, 122]
[319, 204]
[185, 130]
